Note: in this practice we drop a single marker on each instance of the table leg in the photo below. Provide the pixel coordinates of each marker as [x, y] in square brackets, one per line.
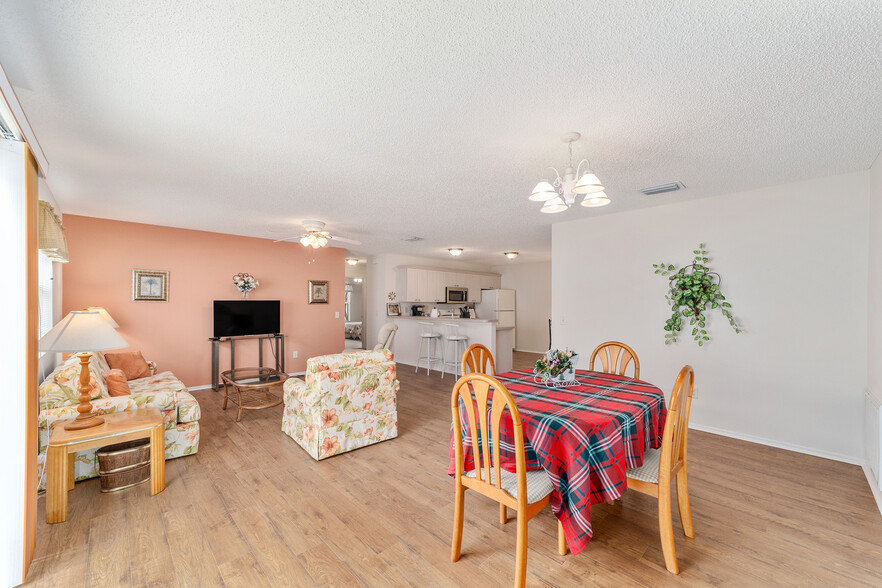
[56, 484]
[71, 474]
[239, 397]
[157, 459]
[226, 395]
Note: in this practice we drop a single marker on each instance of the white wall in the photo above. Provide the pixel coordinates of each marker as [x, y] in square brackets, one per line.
[794, 264]
[13, 359]
[382, 279]
[49, 360]
[532, 283]
[872, 449]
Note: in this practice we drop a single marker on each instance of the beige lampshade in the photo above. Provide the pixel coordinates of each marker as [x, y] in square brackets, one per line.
[588, 184]
[104, 314]
[81, 330]
[595, 200]
[553, 206]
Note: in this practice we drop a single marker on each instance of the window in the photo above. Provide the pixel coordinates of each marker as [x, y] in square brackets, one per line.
[347, 302]
[44, 292]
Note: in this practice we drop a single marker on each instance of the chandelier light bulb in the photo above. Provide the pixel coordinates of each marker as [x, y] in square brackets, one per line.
[455, 251]
[553, 206]
[511, 254]
[596, 200]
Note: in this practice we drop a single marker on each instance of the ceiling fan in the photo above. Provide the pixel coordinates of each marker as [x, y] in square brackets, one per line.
[315, 236]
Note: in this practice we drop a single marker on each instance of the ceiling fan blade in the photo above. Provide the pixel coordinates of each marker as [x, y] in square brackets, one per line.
[287, 239]
[345, 240]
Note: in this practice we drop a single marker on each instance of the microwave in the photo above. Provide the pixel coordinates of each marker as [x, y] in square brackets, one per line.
[456, 295]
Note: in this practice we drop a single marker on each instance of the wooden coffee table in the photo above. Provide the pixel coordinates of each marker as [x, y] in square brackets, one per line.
[116, 428]
[253, 387]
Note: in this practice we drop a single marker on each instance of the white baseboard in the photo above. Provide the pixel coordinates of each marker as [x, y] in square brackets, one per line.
[780, 445]
[530, 350]
[874, 486]
[208, 386]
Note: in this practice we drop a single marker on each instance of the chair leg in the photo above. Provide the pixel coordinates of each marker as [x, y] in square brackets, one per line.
[666, 529]
[419, 354]
[445, 347]
[503, 514]
[521, 552]
[561, 540]
[458, 512]
[683, 502]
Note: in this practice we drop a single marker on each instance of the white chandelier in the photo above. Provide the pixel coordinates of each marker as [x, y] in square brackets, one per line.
[561, 193]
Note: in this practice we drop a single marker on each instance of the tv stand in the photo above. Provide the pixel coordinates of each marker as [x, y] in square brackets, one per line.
[277, 338]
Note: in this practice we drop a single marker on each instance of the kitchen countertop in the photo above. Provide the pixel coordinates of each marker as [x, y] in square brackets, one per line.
[443, 319]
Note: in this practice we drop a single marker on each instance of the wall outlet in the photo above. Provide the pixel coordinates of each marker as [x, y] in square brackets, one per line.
[563, 320]
[294, 354]
[336, 315]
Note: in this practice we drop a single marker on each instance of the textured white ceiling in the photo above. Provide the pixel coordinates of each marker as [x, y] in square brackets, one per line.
[388, 119]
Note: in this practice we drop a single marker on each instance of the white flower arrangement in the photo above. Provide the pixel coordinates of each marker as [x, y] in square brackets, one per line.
[245, 283]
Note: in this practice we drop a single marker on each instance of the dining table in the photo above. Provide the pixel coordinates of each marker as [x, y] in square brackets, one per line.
[585, 436]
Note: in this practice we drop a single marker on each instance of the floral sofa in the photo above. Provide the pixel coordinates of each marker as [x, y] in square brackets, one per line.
[348, 401]
[59, 397]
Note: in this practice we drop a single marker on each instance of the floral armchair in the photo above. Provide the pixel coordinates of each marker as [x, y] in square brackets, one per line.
[348, 401]
[59, 397]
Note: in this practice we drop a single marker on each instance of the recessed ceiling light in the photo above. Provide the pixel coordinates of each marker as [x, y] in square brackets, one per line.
[454, 251]
[511, 254]
[412, 239]
[351, 260]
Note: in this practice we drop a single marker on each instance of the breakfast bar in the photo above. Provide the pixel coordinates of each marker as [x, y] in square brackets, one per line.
[499, 340]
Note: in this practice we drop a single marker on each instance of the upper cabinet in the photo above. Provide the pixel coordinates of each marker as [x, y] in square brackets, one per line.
[420, 284]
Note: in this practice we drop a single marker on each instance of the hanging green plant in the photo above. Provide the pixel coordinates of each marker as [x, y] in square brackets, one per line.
[691, 290]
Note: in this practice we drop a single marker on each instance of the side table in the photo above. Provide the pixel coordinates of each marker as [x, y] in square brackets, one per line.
[116, 428]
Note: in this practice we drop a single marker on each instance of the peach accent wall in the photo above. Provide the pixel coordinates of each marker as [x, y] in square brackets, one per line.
[175, 334]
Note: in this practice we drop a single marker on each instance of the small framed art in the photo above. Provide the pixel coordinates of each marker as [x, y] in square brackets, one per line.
[318, 291]
[393, 309]
[149, 286]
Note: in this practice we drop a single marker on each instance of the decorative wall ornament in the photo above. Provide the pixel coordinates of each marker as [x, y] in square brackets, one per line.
[318, 291]
[149, 286]
[690, 290]
[392, 296]
[245, 283]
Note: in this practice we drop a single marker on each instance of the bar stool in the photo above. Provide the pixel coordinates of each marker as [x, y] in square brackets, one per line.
[453, 337]
[432, 340]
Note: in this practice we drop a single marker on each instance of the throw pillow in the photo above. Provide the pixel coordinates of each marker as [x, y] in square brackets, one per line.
[132, 363]
[117, 385]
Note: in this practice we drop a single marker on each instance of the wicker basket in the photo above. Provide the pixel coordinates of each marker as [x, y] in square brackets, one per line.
[124, 464]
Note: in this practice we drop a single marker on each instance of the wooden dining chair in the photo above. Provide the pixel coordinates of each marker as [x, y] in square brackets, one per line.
[661, 466]
[526, 492]
[615, 358]
[478, 359]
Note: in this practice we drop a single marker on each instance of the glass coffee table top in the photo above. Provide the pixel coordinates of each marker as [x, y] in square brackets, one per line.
[252, 376]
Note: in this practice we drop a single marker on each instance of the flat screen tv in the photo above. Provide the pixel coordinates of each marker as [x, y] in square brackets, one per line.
[239, 318]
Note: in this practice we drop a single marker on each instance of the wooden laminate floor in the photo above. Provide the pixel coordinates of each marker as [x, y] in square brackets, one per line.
[253, 509]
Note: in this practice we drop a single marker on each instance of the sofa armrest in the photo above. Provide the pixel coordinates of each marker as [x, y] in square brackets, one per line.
[188, 408]
[294, 390]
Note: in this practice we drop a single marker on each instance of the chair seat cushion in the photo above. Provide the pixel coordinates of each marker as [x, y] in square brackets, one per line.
[538, 483]
[457, 338]
[648, 472]
[430, 335]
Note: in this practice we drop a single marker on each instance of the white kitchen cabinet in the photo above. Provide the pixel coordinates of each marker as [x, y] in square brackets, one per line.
[423, 284]
[435, 289]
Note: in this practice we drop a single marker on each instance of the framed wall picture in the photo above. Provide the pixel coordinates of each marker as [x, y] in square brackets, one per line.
[393, 309]
[149, 286]
[318, 291]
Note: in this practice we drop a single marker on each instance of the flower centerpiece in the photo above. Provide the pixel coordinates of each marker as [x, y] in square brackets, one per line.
[556, 368]
[245, 283]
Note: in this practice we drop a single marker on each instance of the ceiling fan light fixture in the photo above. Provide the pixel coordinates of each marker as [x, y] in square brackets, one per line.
[455, 251]
[596, 200]
[511, 254]
[553, 206]
[351, 261]
[588, 184]
[543, 192]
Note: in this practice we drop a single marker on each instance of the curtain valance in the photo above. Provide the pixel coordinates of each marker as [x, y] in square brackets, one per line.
[50, 234]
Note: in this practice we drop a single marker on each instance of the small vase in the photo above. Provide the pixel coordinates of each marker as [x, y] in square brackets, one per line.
[244, 295]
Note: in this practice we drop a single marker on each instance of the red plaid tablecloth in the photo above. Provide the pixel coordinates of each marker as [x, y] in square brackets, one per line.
[584, 436]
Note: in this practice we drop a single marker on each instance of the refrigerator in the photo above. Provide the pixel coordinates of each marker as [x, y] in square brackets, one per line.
[498, 305]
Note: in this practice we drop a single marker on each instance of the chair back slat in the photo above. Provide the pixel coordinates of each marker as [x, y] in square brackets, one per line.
[673, 449]
[479, 393]
[615, 357]
[478, 359]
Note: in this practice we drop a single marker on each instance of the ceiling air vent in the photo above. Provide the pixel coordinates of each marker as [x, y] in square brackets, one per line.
[413, 239]
[662, 188]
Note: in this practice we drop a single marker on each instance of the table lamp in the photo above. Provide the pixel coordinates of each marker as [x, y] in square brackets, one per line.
[82, 330]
